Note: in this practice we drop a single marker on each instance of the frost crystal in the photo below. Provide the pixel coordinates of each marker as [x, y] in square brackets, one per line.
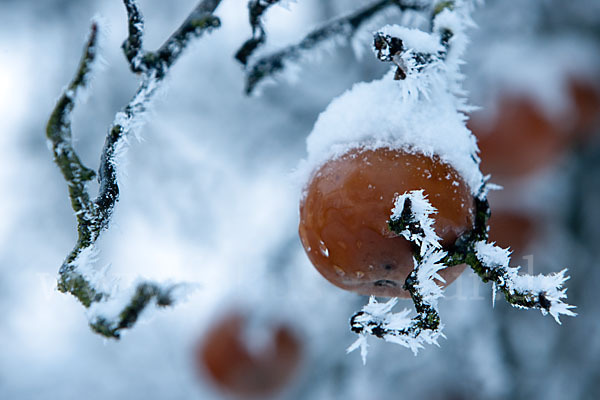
[377, 319]
[420, 210]
[492, 255]
[427, 273]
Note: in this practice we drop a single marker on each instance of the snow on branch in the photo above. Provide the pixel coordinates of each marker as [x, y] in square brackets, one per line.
[77, 274]
[58, 133]
[411, 219]
[343, 27]
[256, 8]
[491, 263]
[544, 292]
[412, 54]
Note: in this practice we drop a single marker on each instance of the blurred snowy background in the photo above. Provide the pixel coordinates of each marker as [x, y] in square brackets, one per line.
[209, 197]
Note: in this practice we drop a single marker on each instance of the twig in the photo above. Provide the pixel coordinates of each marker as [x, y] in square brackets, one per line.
[144, 293]
[411, 219]
[256, 8]
[344, 26]
[93, 216]
[491, 264]
[198, 21]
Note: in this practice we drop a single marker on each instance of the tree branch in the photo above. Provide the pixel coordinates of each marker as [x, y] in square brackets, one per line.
[411, 219]
[144, 293]
[200, 20]
[491, 264]
[58, 132]
[256, 8]
[344, 27]
[76, 275]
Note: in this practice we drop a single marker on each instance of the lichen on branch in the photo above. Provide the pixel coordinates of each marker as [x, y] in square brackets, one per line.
[77, 275]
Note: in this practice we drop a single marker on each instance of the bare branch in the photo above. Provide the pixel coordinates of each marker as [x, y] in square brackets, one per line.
[256, 8]
[58, 132]
[342, 27]
[144, 293]
[201, 19]
[94, 216]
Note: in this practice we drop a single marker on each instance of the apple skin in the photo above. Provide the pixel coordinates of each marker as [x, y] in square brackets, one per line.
[347, 203]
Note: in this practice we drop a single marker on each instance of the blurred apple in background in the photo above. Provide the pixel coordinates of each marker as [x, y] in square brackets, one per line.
[521, 138]
[518, 139]
[248, 361]
[586, 99]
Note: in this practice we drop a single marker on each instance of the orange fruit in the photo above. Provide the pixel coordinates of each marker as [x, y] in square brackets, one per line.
[348, 201]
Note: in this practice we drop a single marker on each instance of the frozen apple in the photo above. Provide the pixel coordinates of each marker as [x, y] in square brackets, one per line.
[345, 211]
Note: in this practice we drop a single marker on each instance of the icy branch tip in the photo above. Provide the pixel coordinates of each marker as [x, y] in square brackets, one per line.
[545, 292]
[377, 319]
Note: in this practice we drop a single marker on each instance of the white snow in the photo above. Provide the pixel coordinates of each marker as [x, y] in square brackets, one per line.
[492, 255]
[413, 39]
[421, 114]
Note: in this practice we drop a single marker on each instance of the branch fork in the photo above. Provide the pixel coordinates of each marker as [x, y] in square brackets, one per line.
[344, 28]
[411, 218]
[77, 275]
